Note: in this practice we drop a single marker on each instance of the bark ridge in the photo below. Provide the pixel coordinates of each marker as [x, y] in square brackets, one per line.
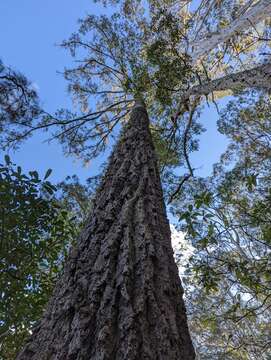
[120, 296]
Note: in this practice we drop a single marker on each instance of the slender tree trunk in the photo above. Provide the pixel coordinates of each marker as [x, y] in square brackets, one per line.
[120, 296]
[251, 18]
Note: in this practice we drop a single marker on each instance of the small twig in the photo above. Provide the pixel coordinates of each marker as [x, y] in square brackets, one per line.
[186, 156]
[172, 197]
[186, 132]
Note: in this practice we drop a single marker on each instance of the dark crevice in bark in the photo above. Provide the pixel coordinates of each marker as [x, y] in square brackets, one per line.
[120, 296]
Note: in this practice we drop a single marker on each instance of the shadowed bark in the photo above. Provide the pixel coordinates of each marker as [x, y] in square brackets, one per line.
[120, 296]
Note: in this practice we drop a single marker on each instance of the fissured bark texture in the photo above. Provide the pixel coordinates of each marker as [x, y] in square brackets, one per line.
[120, 297]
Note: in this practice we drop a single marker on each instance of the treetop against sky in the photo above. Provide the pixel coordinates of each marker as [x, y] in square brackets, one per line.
[29, 33]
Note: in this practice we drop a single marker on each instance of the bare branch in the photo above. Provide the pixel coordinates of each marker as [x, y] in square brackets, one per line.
[173, 196]
[185, 140]
[77, 120]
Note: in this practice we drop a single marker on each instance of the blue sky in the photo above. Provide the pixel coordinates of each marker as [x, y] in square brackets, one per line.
[29, 32]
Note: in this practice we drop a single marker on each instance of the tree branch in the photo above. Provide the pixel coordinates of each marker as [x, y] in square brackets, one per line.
[253, 16]
[258, 77]
[186, 156]
[172, 196]
[58, 122]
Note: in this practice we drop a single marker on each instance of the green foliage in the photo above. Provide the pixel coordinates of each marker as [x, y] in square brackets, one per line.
[170, 69]
[166, 155]
[19, 105]
[36, 231]
[227, 218]
[76, 197]
[121, 58]
[134, 53]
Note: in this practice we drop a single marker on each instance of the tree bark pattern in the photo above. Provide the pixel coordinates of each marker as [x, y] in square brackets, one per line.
[258, 77]
[120, 295]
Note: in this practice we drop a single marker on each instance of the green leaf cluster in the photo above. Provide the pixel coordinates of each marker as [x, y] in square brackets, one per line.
[35, 234]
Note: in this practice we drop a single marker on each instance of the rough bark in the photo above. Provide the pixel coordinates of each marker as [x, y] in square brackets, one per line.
[258, 78]
[256, 14]
[120, 296]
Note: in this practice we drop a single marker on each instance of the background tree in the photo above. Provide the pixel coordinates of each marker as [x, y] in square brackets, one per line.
[37, 229]
[227, 218]
[19, 105]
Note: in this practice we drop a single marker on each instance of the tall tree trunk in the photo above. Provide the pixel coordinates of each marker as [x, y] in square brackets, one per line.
[120, 296]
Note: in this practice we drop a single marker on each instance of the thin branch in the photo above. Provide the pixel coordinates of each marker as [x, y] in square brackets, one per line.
[172, 197]
[87, 117]
[186, 132]
[186, 156]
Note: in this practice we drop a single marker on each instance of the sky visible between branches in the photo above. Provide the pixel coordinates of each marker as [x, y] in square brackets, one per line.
[29, 33]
